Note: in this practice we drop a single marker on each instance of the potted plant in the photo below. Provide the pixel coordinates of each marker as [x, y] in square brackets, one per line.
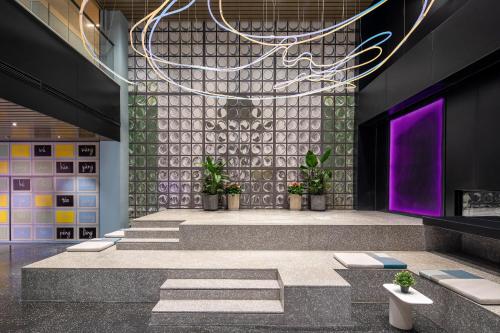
[295, 191]
[316, 178]
[233, 192]
[213, 183]
[405, 280]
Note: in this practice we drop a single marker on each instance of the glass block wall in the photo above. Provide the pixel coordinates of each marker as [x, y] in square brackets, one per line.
[263, 143]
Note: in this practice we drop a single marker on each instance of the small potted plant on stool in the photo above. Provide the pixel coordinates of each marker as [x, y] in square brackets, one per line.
[316, 178]
[233, 192]
[405, 280]
[295, 191]
[213, 183]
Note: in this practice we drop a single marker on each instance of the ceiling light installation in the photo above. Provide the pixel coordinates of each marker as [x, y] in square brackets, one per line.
[333, 75]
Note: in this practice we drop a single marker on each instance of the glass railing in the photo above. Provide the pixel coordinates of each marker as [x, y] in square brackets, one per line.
[62, 16]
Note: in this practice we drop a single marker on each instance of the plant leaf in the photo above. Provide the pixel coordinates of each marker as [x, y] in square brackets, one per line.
[325, 155]
[311, 159]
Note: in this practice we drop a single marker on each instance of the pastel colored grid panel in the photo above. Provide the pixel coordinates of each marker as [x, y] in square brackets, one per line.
[65, 150]
[21, 200]
[20, 150]
[21, 232]
[4, 184]
[4, 200]
[4, 216]
[65, 216]
[87, 201]
[20, 168]
[4, 233]
[43, 184]
[65, 184]
[43, 200]
[86, 184]
[43, 216]
[43, 167]
[4, 168]
[4, 150]
[44, 232]
[87, 217]
[21, 216]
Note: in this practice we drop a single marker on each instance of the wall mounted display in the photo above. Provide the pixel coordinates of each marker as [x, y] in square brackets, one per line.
[262, 142]
[415, 175]
[40, 196]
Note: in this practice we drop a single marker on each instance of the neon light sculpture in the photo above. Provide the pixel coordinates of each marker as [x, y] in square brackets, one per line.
[333, 74]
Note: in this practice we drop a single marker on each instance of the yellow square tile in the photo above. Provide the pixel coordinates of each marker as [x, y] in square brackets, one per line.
[65, 151]
[43, 200]
[4, 216]
[19, 150]
[65, 216]
[4, 200]
[4, 167]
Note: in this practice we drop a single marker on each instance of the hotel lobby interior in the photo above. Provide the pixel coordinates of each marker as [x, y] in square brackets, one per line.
[249, 166]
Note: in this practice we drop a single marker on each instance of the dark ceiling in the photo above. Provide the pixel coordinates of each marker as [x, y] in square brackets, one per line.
[33, 126]
[313, 10]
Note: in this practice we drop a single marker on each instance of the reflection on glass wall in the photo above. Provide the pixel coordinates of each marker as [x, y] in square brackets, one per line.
[62, 16]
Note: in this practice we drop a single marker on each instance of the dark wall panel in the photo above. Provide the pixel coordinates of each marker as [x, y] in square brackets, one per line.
[42, 72]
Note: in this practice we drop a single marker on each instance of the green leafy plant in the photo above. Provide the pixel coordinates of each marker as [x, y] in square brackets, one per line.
[214, 177]
[233, 188]
[296, 188]
[404, 279]
[315, 176]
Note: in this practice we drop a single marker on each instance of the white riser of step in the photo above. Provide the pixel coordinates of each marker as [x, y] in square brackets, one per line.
[155, 224]
[217, 312]
[146, 244]
[152, 233]
[214, 289]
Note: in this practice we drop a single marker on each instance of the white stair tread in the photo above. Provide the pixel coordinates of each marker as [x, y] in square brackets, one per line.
[152, 229]
[219, 306]
[115, 234]
[149, 240]
[219, 284]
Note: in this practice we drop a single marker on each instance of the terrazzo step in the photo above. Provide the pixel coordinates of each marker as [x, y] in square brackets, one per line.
[218, 289]
[245, 274]
[148, 244]
[152, 233]
[217, 312]
[154, 224]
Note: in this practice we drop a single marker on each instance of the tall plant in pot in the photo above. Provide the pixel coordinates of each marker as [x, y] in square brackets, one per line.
[233, 192]
[213, 183]
[316, 178]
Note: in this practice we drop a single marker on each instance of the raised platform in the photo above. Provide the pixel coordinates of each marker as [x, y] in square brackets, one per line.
[288, 230]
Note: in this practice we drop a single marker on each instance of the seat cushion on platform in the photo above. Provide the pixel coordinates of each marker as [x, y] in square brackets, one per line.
[91, 246]
[473, 287]
[368, 260]
[481, 291]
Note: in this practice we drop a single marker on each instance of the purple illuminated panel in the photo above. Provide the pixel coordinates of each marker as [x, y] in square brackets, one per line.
[415, 161]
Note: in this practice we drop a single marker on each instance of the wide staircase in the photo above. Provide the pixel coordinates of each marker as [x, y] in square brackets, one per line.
[219, 297]
[150, 235]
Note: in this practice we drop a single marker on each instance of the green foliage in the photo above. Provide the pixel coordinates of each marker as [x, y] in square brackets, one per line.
[316, 177]
[296, 188]
[404, 279]
[233, 189]
[214, 177]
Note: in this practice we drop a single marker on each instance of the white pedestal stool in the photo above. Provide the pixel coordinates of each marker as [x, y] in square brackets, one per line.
[401, 305]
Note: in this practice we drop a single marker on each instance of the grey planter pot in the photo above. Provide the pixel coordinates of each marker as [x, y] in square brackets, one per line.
[210, 202]
[317, 202]
[405, 290]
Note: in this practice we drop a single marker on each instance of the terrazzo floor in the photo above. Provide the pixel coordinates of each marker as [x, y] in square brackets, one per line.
[17, 316]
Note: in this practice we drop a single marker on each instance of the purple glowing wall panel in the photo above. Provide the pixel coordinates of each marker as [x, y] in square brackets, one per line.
[415, 161]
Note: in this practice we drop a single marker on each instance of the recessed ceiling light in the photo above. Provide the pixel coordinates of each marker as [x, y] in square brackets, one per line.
[14, 124]
[58, 136]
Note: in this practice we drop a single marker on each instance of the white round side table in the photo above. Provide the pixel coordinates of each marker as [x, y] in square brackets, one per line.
[401, 305]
